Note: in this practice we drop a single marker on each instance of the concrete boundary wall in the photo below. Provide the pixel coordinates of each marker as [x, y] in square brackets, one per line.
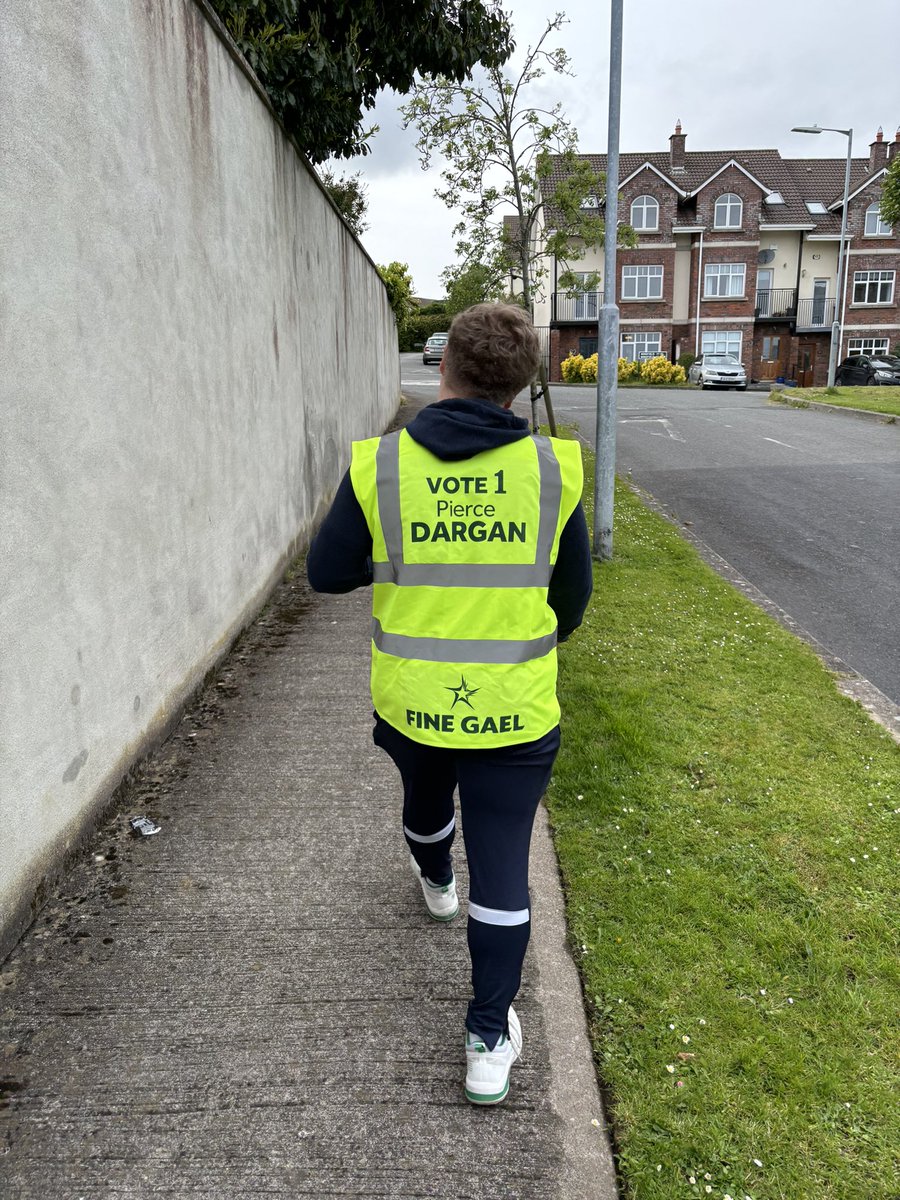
[190, 337]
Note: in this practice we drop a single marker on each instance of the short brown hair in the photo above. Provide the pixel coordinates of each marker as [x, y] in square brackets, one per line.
[492, 352]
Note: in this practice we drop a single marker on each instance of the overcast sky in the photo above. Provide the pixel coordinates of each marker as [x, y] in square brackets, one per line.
[738, 75]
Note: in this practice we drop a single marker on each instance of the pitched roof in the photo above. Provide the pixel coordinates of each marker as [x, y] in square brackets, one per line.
[797, 180]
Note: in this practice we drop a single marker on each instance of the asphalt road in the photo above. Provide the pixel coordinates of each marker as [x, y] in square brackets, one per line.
[804, 504]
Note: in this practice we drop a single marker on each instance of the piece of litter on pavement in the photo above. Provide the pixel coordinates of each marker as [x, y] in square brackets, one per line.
[144, 827]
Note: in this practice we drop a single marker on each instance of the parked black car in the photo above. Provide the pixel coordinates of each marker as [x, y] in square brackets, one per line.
[869, 369]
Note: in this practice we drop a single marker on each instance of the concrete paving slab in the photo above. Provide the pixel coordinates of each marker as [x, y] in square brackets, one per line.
[253, 1002]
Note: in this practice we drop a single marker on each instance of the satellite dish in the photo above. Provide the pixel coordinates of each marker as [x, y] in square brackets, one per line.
[765, 256]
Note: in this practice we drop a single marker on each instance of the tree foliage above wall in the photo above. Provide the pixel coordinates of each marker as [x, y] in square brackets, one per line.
[322, 62]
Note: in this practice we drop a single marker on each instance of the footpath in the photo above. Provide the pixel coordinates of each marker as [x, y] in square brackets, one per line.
[253, 1002]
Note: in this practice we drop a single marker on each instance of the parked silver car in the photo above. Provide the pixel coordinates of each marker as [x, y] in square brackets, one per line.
[718, 370]
[434, 348]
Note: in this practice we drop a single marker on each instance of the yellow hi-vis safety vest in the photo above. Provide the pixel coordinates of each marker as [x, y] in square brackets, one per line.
[463, 639]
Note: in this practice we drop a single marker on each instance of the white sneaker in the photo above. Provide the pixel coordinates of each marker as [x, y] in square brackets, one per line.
[440, 898]
[487, 1071]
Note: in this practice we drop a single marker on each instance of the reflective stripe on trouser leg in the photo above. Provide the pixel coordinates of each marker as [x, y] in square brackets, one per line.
[432, 851]
[428, 838]
[498, 916]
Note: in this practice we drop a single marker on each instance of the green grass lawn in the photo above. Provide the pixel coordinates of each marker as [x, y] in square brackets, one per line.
[726, 824]
[873, 399]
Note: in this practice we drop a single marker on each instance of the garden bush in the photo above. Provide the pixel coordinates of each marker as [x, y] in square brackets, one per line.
[628, 370]
[571, 368]
[589, 370]
[660, 370]
[415, 331]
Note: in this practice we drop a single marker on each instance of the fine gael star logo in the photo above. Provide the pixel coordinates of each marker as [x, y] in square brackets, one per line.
[462, 693]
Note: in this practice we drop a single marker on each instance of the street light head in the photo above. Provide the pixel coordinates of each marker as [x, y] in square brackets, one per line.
[806, 129]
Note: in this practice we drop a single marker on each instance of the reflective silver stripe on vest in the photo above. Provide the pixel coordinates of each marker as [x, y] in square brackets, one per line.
[492, 575]
[461, 650]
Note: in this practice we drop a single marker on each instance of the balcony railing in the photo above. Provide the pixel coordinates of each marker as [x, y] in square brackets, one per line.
[575, 306]
[817, 313]
[781, 304]
[776, 304]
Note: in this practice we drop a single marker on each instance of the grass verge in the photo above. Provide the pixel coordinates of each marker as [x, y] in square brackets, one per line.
[882, 400]
[726, 824]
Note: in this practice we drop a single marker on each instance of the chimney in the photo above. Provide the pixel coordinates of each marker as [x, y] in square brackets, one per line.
[676, 147]
[894, 147]
[878, 152]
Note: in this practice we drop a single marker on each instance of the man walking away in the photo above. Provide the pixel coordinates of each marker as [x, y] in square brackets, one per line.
[471, 532]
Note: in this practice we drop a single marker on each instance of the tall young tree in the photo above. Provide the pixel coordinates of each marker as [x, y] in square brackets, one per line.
[468, 285]
[322, 62]
[499, 149]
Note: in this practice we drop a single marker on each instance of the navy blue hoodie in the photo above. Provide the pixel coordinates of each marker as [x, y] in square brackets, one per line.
[340, 557]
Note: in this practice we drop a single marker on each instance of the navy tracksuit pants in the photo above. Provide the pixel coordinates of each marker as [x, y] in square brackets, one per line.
[499, 791]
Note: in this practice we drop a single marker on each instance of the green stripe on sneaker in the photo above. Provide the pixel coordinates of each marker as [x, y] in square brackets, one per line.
[487, 1098]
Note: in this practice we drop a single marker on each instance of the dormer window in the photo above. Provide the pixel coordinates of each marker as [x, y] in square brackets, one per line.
[645, 214]
[875, 227]
[816, 207]
[591, 203]
[729, 212]
[774, 198]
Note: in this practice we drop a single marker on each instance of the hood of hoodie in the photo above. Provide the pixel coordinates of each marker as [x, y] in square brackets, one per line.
[457, 429]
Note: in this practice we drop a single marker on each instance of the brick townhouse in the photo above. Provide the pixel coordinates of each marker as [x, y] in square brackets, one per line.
[737, 251]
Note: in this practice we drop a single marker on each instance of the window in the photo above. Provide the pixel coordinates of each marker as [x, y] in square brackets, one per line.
[816, 206]
[873, 287]
[729, 212]
[771, 349]
[642, 283]
[870, 345]
[774, 198]
[638, 346]
[587, 346]
[724, 279]
[722, 341]
[645, 214]
[875, 227]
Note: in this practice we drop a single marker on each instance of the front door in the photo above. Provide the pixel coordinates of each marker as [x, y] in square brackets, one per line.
[771, 360]
[806, 364]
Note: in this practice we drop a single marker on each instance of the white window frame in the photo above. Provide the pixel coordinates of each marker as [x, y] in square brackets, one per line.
[875, 227]
[633, 275]
[868, 345]
[726, 277]
[731, 341]
[640, 346]
[877, 279]
[732, 204]
[643, 204]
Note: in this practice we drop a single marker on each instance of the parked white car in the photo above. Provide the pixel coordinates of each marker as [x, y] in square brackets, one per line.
[718, 370]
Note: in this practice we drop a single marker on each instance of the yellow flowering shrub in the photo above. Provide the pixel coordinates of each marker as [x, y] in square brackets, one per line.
[628, 370]
[571, 368]
[589, 370]
[660, 370]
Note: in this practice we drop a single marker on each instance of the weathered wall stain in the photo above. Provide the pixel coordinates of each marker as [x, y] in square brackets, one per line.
[73, 770]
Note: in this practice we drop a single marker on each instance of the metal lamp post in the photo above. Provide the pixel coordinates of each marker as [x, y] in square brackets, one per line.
[842, 272]
[608, 322]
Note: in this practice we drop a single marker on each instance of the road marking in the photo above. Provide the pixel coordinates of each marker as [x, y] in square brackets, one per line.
[777, 443]
[669, 431]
